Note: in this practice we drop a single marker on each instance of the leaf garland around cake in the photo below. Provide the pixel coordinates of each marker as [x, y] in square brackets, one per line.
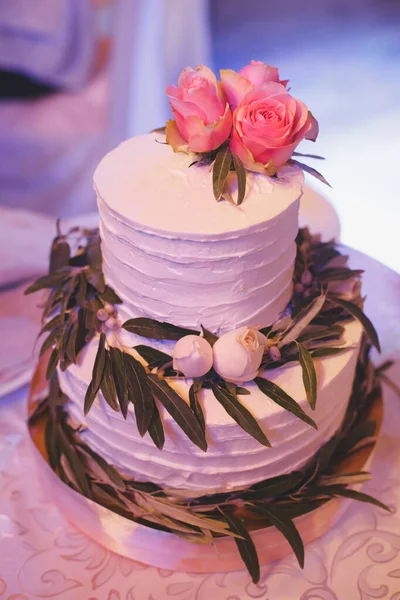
[81, 306]
[202, 517]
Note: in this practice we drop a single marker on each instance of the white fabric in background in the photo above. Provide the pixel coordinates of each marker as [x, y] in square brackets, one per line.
[153, 41]
[49, 40]
[49, 148]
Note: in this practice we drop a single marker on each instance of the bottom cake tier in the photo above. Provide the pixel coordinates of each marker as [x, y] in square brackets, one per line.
[302, 505]
[233, 459]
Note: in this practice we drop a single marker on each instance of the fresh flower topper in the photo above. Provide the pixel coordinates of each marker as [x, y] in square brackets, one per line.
[248, 121]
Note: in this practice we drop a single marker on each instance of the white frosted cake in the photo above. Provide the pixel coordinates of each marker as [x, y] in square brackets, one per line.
[172, 253]
[208, 360]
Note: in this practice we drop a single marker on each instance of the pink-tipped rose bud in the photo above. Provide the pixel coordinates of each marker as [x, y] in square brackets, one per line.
[192, 356]
[203, 119]
[236, 84]
[274, 353]
[113, 324]
[109, 308]
[268, 125]
[238, 354]
[102, 314]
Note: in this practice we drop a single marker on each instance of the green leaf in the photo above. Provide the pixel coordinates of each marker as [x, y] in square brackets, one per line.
[242, 391]
[180, 514]
[322, 352]
[139, 392]
[279, 485]
[90, 396]
[286, 526]
[245, 545]
[48, 343]
[159, 129]
[358, 314]
[179, 410]
[81, 331]
[309, 374]
[153, 357]
[279, 396]
[195, 403]
[239, 413]
[338, 274]
[96, 279]
[107, 386]
[319, 332]
[358, 432]
[70, 348]
[310, 171]
[221, 168]
[94, 253]
[309, 155]
[82, 290]
[110, 296]
[53, 280]
[120, 379]
[99, 469]
[156, 430]
[302, 320]
[99, 363]
[337, 490]
[52, 364]
[52, 447]
[75, 463]
[156, 330]
[209, 336]
[241, 178]
[60, 255]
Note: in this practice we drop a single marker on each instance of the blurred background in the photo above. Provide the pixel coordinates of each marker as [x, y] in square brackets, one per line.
[79, 76]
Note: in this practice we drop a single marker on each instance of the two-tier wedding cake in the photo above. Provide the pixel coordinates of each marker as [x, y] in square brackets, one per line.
[208, 364]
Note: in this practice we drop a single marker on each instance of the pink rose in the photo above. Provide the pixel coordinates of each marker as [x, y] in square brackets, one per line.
[203, 119]
[252, 76]
[268, 125]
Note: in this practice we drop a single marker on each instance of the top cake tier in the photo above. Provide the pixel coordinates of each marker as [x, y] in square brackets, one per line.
[175, 254]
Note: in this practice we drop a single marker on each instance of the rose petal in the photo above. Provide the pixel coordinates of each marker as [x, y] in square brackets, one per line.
[206, 100]
[204, 138]
[238, 148]
[174, 138]
[258, 73]
[186, 108]
[312, 133]
[235, 86]
[201, 71]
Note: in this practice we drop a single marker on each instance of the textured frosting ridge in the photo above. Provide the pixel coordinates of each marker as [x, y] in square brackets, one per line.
[174, 254]
[233, 459]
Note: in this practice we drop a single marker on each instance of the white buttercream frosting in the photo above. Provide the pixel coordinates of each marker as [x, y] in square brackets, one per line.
[233, 459]
[175, 254]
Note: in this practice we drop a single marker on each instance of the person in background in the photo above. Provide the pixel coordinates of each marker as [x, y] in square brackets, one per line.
[65, 100]
[45, 46]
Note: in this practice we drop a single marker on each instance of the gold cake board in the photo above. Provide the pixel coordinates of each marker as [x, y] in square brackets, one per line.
[166, 550]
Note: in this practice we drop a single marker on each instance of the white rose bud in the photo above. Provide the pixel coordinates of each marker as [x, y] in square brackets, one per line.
[238, 354]
[112, 323]
[192, 356]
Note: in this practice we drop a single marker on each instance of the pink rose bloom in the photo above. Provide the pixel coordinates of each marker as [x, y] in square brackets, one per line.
[252, 76]
[268, 125]
[203, 119]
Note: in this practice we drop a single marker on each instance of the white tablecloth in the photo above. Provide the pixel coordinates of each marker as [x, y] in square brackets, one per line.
[42, 556]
